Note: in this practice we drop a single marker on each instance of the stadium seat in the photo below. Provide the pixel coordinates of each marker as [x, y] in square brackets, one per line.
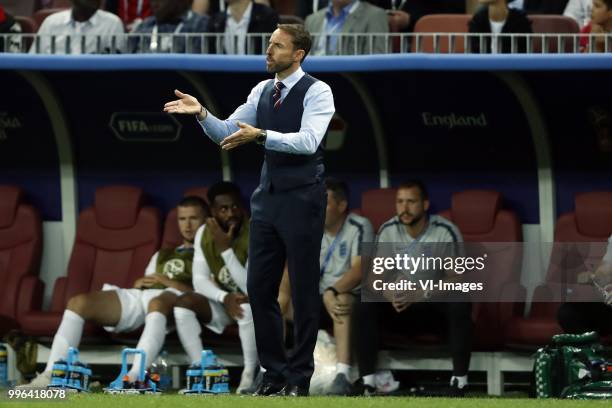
[20, 253]
[284, 7]
[378, 205]
[114, 242]
[552, 24]
[61, 3]
[42, 14]
[19, 7]
[441, 23]
[480, 217]
[27, 24]
[591, 221]
[172, 236]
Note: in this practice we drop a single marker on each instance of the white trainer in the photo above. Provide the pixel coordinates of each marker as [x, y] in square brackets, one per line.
[42, 380]
[246, 380]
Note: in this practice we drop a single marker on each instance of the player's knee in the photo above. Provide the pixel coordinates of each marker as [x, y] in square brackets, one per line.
[158, 305]
[79, 305]
[186, 301]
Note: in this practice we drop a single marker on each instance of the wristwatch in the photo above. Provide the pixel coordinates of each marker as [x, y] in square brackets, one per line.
[260, 139]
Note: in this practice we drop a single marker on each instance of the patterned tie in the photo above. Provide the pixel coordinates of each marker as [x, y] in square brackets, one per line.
[276, 96]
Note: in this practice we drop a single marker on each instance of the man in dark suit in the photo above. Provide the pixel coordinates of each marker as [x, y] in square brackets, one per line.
[288, 116]
[242, 17]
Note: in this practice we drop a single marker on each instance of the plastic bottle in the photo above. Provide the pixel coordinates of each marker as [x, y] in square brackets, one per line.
[160, 366]
[3, 366]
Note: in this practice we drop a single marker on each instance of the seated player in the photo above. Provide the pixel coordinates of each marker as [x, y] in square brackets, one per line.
[578, 318]
[149, 302]
[219, 281]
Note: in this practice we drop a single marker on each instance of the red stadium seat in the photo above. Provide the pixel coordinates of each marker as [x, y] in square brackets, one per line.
[42, 14]
[480, 218]
[590, 222]
[284, 7]
[115, 240]
[172, 236]
[290, 19]
[20, 253]
[552, 24]
[441, 23]
[378, 205]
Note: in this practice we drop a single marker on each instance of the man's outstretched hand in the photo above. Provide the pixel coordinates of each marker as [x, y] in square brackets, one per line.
[245, 134]
[186, 104]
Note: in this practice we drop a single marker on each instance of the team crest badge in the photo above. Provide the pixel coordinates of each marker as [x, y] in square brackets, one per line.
[343, 249]
[174, 267]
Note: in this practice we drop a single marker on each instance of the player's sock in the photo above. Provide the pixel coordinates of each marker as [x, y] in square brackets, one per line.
[189, 329]
[246, 331]
[462, 380]
[344, 369]
[68, 335]
[151, 341]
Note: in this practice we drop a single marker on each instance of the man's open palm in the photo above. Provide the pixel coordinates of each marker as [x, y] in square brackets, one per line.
[185, 104]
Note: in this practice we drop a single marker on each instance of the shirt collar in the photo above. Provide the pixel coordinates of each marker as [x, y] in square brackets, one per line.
[346, 10]
[93, 20]
[245, 16]
[291, 79]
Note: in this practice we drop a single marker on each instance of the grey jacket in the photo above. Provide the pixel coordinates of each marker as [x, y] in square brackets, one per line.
[365, 19]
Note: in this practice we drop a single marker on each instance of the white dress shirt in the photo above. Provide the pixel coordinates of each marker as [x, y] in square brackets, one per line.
[234, 39]
[62, 25]
[318, 111]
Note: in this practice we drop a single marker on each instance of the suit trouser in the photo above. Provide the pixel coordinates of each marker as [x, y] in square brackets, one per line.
[286, 225]
[454, 319]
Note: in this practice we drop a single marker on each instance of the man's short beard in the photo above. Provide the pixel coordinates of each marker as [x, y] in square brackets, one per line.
[412, 223]
[276, 68]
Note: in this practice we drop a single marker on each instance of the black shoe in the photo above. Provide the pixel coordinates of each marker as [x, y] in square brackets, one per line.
[268, 388]
[361, 389]
[293, 391]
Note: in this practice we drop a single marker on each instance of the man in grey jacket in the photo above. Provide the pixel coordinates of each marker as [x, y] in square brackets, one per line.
[330, 25]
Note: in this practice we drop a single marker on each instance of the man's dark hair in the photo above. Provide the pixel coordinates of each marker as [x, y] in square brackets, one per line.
[301, 38]
[195, 201]
[223, 188]
[416, 184]
[339, 188]
[608, 4]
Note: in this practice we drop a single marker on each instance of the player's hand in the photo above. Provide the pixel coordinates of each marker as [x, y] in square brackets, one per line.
[186, 104]
[145, 282]
[232, 302]
[330, 301]
[222, 239]
[344, 304]
[245, 134]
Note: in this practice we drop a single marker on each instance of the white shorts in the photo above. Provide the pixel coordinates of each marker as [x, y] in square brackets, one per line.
[219, 319]
[134, 304]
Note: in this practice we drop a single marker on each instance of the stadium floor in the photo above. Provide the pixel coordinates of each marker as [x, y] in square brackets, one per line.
[232, 401]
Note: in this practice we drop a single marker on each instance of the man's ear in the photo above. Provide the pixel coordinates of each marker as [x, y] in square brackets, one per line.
[426, 205]
[299, 55]
[343, 206]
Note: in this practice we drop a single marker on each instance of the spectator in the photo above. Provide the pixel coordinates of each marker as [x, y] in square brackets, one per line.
[212, 7]
[409, 228]
[240, 18]
[219, 281]
[601, 23]
[8, 25]
[495, 19]
[579, 10]
[344, 17]
[169, 17]
[340, 262]
[578, 318]
[131, 12]
[148, 303]
[77, 30]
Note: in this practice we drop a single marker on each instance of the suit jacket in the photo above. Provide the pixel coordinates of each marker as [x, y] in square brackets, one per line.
[365, 19]
[516, 22]
[263, 20]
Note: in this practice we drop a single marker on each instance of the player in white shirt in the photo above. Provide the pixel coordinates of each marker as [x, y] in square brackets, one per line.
[219, 281]
[148, 303]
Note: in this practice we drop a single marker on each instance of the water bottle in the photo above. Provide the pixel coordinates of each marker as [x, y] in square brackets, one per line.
[3, 366]
[160, 367]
